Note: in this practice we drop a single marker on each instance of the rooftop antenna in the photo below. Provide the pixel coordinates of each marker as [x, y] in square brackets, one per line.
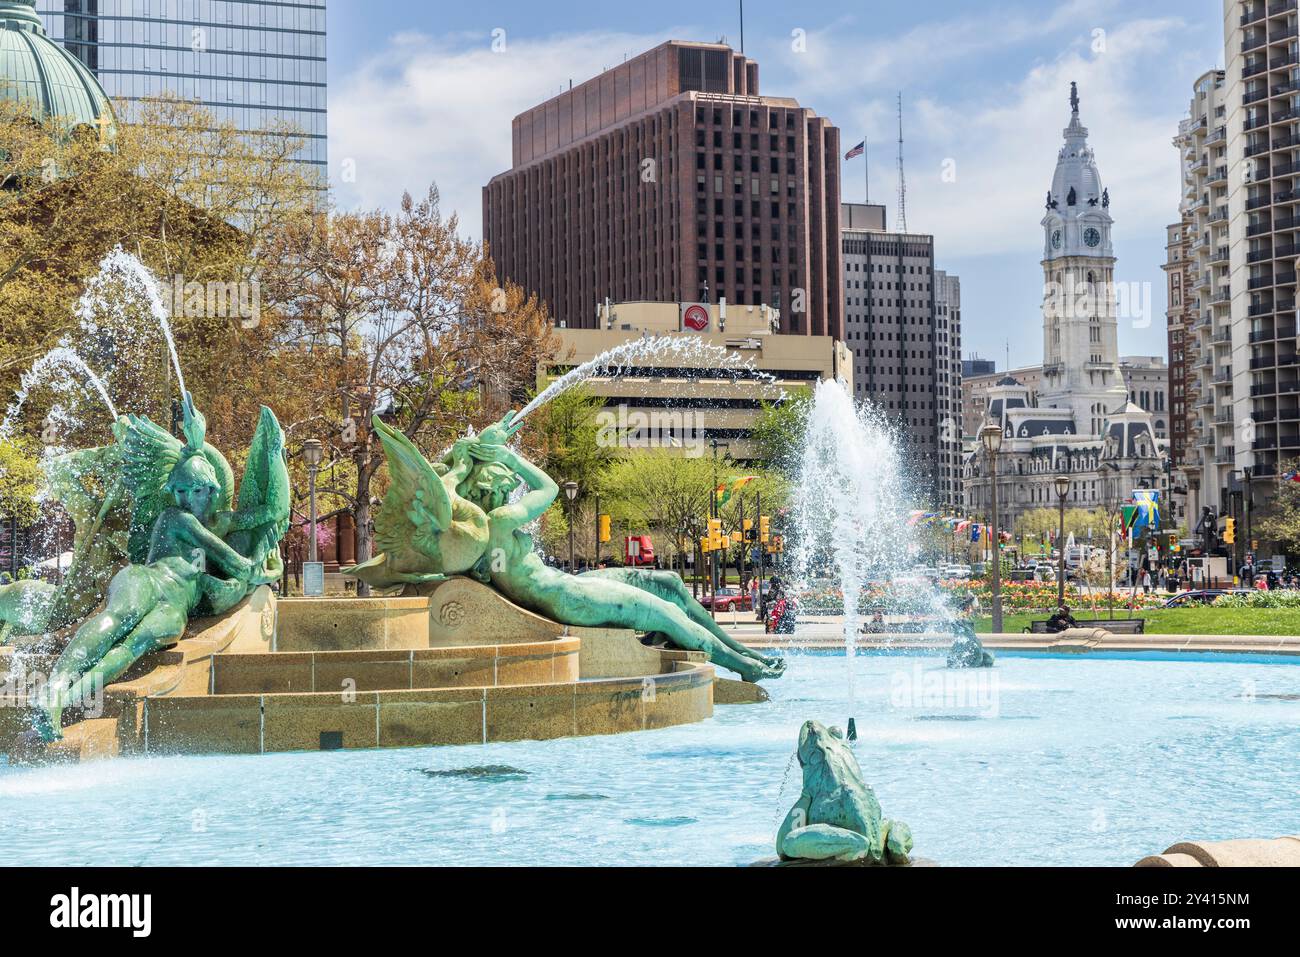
[742, 26]
[902, 179]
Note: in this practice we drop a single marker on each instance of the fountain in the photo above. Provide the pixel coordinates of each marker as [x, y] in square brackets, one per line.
[474, 646]
[480, 612]
[850, 516]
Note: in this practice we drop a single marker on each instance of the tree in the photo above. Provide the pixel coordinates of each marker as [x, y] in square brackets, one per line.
[20, 480]
[778, 431]
[661, 491]
[1278, 521]
[400, 317]
[192, 197]
[1043, 524]
[570, 441]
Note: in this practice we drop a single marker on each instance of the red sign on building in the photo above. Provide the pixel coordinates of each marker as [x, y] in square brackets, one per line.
[695, 317]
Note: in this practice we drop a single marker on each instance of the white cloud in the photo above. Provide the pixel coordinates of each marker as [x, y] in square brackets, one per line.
[1004, 146]
[438, 109]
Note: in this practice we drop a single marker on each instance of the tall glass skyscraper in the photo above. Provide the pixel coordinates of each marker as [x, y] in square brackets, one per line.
[249, 61]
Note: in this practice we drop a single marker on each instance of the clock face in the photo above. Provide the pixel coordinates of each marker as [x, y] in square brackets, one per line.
[1056, 239]
[1091, 236]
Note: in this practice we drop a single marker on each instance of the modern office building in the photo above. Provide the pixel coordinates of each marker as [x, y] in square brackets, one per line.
[249, 61]
[669, 178]
[1182, 346]
[903, 326]
[675, 404]
[948, 368]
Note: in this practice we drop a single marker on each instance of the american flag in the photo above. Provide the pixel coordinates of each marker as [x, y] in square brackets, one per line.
[856, 151]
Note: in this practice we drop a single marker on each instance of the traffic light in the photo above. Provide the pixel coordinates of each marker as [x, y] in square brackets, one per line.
[736, 538]
[764, 529]
[776, 545]
[705, 546]
[715, 533]
[748, 534]
[1230, 531]
[604, 528]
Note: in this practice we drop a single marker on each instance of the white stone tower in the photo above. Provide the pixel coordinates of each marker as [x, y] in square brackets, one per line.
[1080, 331]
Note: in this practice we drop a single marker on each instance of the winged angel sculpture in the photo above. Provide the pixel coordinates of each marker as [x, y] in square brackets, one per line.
[189, 551]
[459, 516]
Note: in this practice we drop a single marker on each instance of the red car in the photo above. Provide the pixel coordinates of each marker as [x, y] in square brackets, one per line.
[727, 599]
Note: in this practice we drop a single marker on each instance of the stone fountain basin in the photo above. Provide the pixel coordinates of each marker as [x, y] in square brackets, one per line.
[458, 665]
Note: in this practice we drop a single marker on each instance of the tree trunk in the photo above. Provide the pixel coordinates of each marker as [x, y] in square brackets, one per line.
[361, 534]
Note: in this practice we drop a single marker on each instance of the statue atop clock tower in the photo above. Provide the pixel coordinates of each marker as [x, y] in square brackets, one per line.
[1081, 368]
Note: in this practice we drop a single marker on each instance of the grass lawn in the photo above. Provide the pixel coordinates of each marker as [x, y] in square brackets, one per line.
[1185, 621]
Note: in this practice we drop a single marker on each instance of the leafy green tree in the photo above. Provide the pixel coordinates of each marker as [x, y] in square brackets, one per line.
[778, 431]
[570, 441]
[20, 480]
[1039, 524]
[1278, 522]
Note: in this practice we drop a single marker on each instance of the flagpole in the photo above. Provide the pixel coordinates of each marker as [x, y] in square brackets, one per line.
[866, 173]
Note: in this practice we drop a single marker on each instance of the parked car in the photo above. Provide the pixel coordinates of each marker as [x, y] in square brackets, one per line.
[957, 571]
[728, 598]
[1201, 596]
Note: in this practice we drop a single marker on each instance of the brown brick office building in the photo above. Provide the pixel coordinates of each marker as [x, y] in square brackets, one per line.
[668, 178]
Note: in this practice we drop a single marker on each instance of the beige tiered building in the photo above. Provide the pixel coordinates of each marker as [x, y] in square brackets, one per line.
[680, 405]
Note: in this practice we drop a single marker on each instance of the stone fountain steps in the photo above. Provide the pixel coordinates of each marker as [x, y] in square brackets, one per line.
[373, 674]
[549, 662]
[423, 717]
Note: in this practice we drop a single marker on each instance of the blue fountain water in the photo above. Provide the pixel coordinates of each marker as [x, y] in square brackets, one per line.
[1059, 761]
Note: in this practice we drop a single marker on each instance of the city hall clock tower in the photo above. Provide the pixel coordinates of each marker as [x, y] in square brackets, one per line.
[1081, 370]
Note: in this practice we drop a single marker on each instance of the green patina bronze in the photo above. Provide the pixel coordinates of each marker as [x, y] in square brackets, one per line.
[88, 484]
[967, 650]
[189, 551]
[478, 477]
[837, 817]
[425, 531]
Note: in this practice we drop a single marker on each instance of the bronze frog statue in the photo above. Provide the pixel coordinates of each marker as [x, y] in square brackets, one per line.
[837, 817]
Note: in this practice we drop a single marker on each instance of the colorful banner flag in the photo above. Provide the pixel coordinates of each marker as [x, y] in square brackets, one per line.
[722, 494]
[1147, 503]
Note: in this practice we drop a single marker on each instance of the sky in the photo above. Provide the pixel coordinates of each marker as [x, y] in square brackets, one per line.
[424, 92]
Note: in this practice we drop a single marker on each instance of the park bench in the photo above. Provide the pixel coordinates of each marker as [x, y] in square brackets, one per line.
[1116, 626]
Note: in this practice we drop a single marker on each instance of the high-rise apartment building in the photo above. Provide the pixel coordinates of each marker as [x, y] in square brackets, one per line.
[1261, 93]
[903, 326]
[249, 61]
[1183, 350]
[1203, 280]
[669, 178]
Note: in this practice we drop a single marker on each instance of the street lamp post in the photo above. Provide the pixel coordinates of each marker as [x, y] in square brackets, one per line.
[991, 436]
[312, 452]
[715, 512]
[571, 493]
[1062, 490]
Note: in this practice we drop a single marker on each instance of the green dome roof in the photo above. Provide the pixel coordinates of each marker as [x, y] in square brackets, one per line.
[36, 71]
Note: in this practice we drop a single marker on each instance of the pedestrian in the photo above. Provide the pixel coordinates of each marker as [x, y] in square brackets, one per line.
[1146, 581]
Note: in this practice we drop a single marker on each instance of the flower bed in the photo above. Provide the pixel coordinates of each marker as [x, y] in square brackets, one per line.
[1017, 598]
